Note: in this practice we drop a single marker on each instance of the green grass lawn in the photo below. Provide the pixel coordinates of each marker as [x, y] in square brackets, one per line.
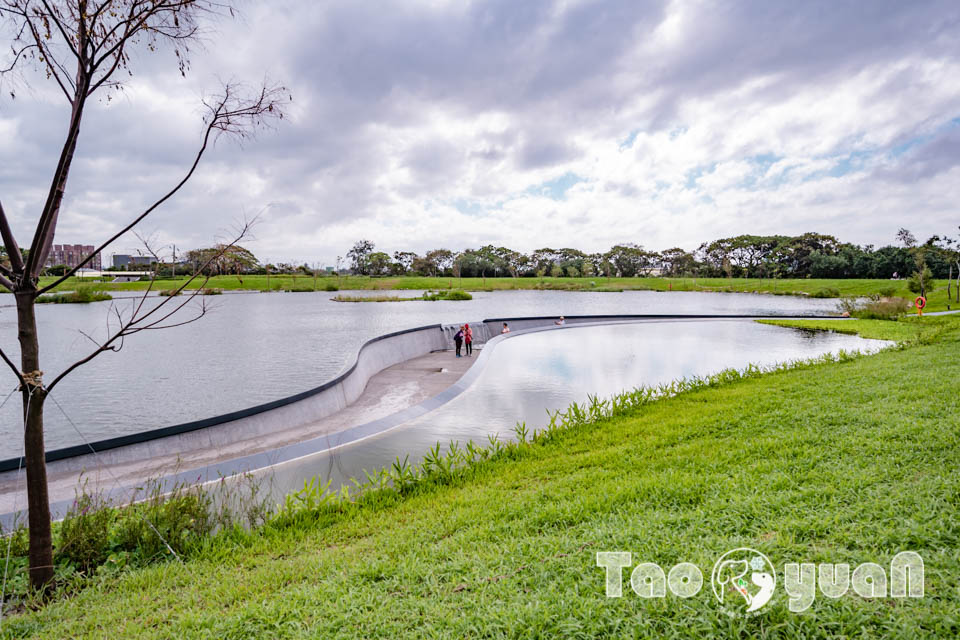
[937, 298]
[845, 462]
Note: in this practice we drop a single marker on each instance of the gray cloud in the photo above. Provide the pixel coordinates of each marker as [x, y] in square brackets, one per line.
[401, 108]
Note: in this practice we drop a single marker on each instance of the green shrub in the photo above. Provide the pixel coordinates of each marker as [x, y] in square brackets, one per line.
[181, 519]
[887, 292]
[85, 534]
[826, 292]
[452, 294]
[82, 295]
[331, 286]
[18, 538]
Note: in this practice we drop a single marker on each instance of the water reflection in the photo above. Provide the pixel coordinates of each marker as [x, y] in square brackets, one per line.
[530, 374]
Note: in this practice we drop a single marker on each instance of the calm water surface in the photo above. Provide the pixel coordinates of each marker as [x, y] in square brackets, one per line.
[530, 374]
[253, 348]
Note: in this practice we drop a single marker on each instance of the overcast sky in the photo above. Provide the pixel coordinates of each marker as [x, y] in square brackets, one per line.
[527, 123]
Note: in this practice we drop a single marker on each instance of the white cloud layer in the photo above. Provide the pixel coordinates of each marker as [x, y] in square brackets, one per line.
[428, 124]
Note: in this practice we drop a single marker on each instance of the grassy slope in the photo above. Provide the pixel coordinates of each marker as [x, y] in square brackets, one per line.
[910, 329]
[937, 300]
[847, 462]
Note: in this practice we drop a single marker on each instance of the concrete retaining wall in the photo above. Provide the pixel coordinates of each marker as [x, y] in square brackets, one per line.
[374, 356]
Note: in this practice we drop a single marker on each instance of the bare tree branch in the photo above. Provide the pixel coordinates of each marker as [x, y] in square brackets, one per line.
[229, 114]
[13, 249]
[137, 321]
[13, 367]
[17, 54]
[55, 18]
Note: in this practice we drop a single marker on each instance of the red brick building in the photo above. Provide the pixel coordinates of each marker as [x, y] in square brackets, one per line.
[72, 254]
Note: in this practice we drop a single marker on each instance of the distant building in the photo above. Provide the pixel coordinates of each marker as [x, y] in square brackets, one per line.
[72, 254]
[122, 260]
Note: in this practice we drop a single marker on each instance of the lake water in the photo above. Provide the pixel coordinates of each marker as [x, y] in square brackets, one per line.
[527, 375]
[253, 348]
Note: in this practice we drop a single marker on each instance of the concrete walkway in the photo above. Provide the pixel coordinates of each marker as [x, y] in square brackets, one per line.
[393, 389]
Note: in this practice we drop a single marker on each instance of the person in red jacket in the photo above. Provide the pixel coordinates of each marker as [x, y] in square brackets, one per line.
[468, 339]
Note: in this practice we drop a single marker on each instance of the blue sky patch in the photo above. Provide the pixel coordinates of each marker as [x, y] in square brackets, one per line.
[557, 188]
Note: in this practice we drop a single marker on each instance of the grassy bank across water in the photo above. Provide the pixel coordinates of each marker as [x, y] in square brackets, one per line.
[937, 298]
[844, 462]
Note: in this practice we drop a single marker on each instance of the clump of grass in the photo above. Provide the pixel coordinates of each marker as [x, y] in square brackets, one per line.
[826, 292]
[82, 295]
[169, 292]
[379, 298]
[211, 292]
[84, 539]
[452, 294]
[874, 308]
[299, 288]
[331, 286]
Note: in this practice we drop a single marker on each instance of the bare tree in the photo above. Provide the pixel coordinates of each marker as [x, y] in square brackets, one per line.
[85, 47]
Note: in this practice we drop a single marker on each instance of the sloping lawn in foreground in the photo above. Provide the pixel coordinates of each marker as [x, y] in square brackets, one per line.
[850, 462]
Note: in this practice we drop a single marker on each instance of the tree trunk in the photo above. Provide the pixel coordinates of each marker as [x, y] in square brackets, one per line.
[958, 280]
[949, 283]
[38, 500]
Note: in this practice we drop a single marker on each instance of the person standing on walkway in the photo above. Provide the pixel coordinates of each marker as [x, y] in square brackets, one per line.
[468, 338]
[458, 340]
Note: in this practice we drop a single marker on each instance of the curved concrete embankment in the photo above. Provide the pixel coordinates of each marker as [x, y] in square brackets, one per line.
[374, 356]
[308, 406]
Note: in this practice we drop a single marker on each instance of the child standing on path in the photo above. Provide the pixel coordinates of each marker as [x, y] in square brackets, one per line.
[468, 338]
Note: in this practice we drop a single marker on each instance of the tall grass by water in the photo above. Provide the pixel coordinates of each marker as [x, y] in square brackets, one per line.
[82, 295]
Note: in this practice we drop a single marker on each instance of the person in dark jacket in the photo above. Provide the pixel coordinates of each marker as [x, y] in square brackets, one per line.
[458, 340]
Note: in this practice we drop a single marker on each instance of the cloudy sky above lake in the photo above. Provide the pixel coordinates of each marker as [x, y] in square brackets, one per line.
[426, 124]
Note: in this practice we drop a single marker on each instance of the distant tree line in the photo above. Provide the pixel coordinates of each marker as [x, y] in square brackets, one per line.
[811, 255]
